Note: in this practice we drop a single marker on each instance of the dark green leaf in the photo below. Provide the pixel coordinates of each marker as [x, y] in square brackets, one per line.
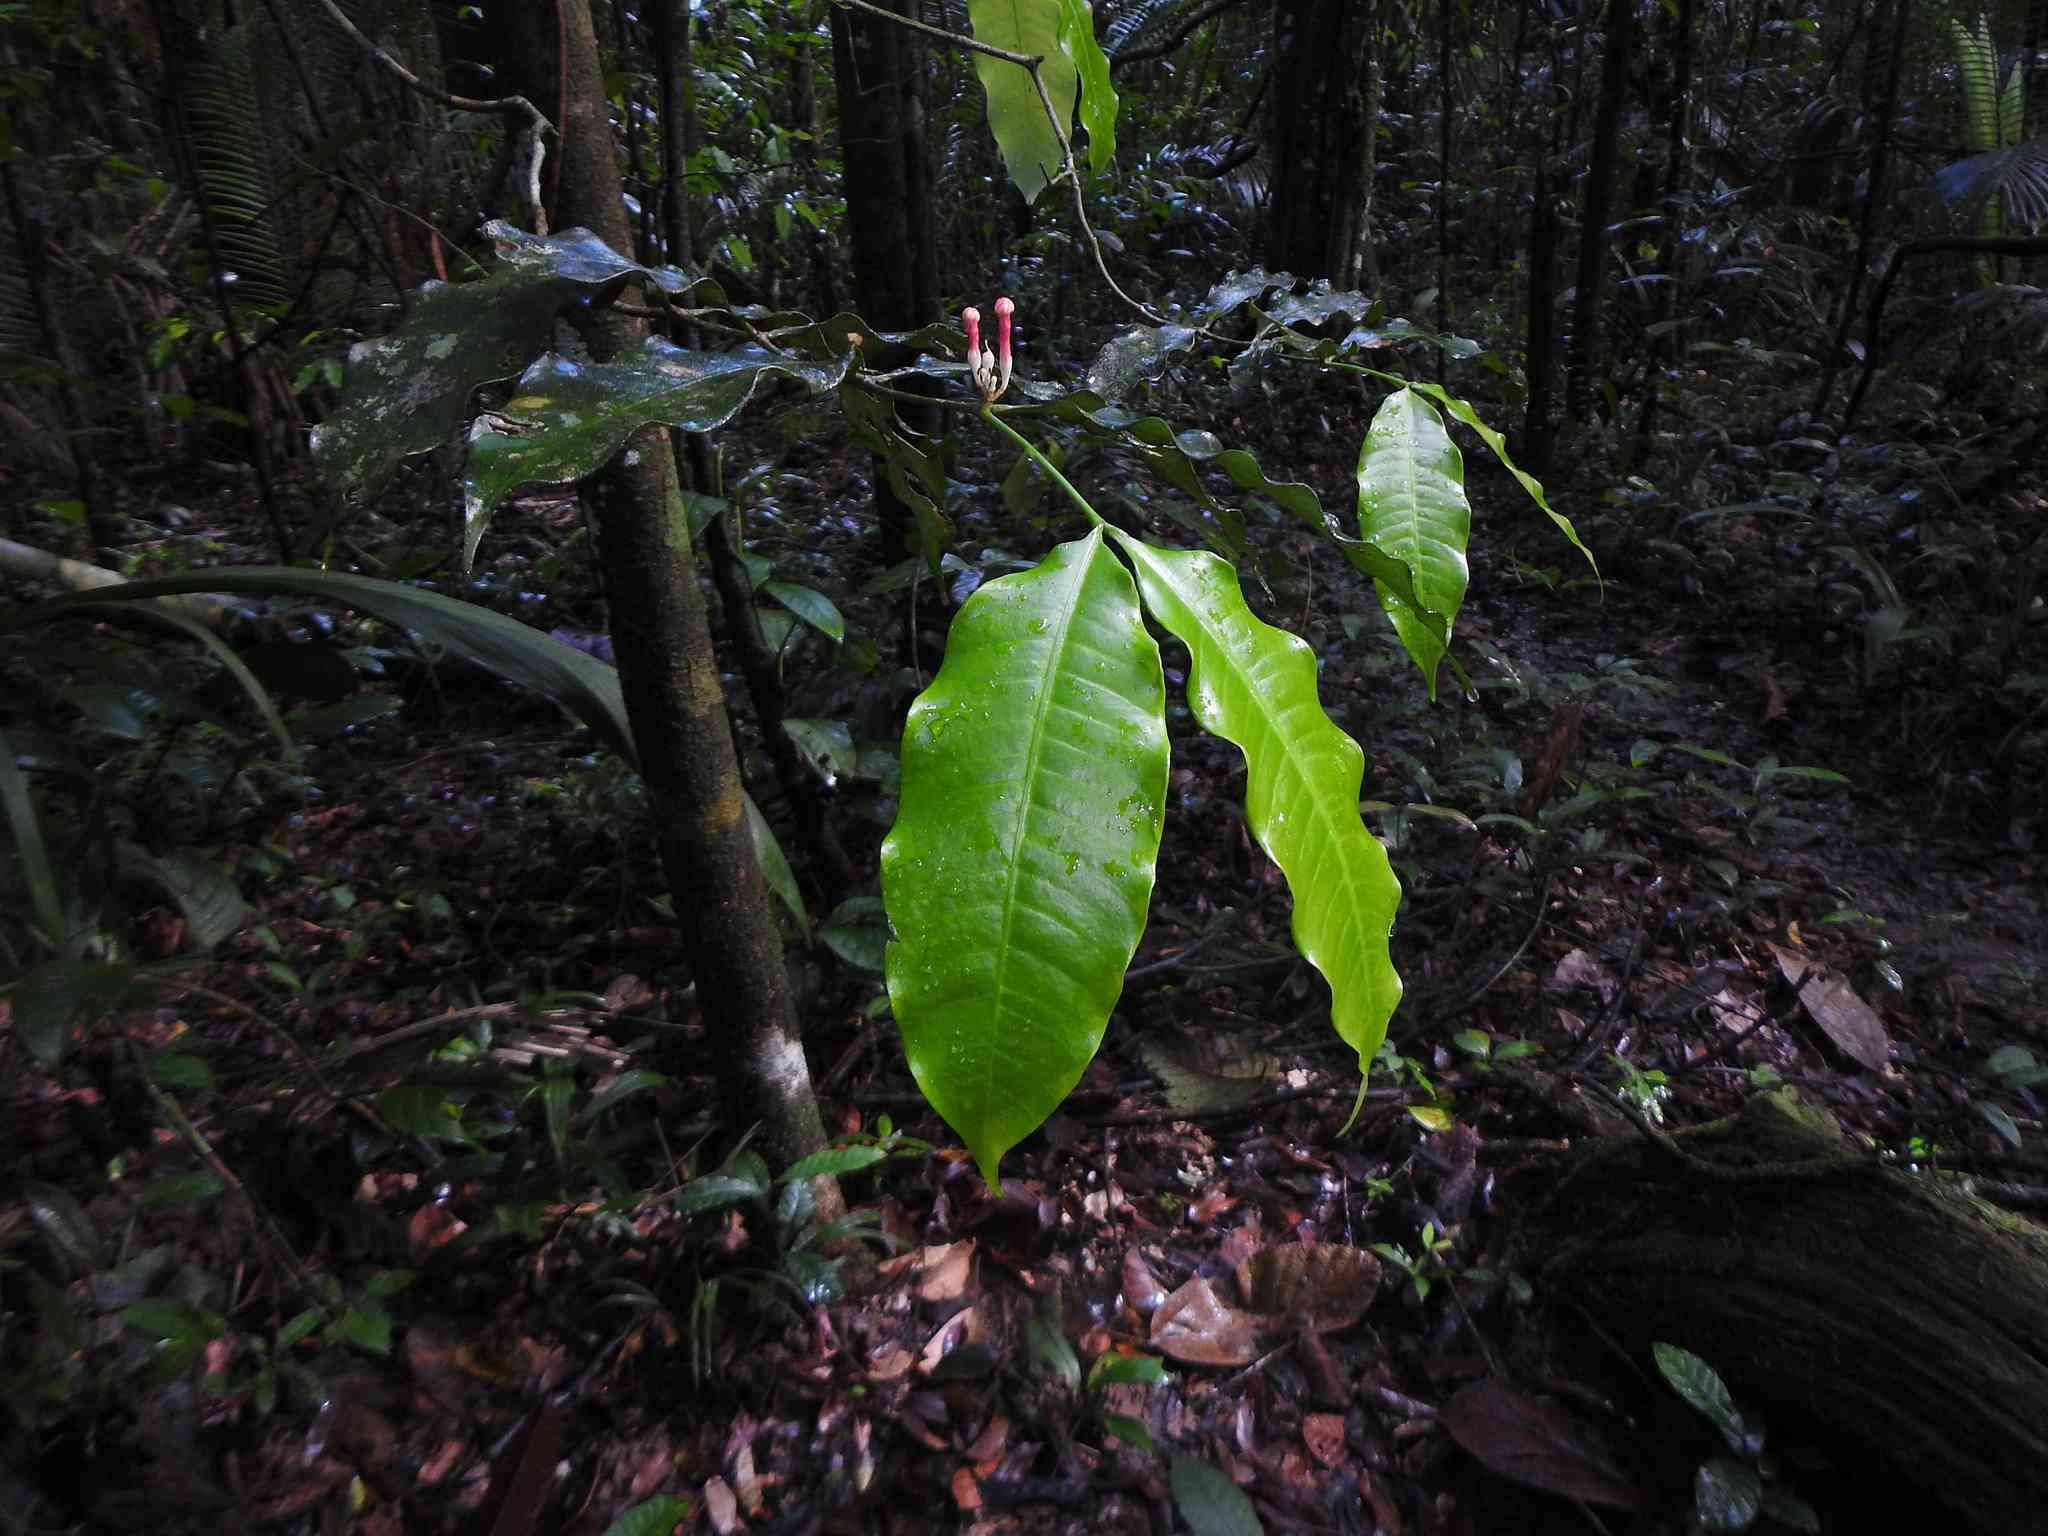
[181, 1187]
[813, 607]
[1698, 1383]
[1211, 1503]
[1129, 1430]
[567, 419]
[1727, 1495]
[58, 994]
[659, 1516]
[30, 852]
[365, 1325]
[834, 1161]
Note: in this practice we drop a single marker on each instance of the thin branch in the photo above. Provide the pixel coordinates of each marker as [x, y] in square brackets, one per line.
[505, 106]
[1029, 61]
[1124, 58]
[1067, 171]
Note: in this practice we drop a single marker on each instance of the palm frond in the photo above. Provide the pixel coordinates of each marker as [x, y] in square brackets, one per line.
[229, 153]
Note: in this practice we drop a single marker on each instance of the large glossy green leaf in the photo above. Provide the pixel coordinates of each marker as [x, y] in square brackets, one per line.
[586, 687]
[1098, 96]
[1020, 866]
[1031, 150]
[1411, 503]
[1461, 410]
[569, 418]
[1255, 686]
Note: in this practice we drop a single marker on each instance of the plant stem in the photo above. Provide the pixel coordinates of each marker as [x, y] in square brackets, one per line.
[988, 414]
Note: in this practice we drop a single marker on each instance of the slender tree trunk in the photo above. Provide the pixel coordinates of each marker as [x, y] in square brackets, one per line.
[670, 677]
[1587, 357]
[1445, 92]
[31, 242]
[1315, 112]
[1541, 364]
[1677, 183]
[878, 68]
[1866, 238]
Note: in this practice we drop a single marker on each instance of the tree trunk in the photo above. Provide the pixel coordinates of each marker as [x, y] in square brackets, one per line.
[878, 69]
[1855, 1301]
[1316, 119]
[1587, 359]
[669, 675]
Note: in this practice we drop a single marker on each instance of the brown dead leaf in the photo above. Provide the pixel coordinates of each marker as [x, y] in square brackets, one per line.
[966, 1491]
[1328, 1286]
[1539, 1444]
[1832, 1003]
[1577, 970]
[1323, 1434]
[721, 1508]
[1141, 1287]
[1194, 1326]
[963, 1328]
[943, 1273]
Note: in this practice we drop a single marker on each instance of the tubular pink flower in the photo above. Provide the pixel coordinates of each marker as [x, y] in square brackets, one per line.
[1004, 309]
[971, 318]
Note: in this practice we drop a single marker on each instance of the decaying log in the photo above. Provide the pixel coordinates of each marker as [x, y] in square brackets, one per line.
[1895, 1308]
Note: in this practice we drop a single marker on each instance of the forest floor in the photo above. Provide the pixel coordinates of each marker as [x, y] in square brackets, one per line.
[393, 1216]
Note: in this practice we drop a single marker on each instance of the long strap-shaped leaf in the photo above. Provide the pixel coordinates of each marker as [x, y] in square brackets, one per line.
[1020, 867]
[1255, 686]
[1411, 503]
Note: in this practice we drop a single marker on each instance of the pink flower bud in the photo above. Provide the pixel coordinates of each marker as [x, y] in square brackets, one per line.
[1004, 309]
[971, 318]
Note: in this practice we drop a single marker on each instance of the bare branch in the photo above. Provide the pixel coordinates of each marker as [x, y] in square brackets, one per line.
[536, 124]
[1126, 57]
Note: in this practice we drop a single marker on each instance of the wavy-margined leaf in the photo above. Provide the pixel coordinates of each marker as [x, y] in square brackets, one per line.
[1461, 410]
[504, 647]
[569, 418]
[1255, 686]
[1098, 96]
[1020, 866]
[1031, 150]
[409, 392]
[911, 463]
[1411, 503]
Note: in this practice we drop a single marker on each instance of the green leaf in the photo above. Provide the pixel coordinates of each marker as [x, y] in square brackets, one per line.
[1462, 411]
[827, 745]
[813, 607]
[1129, 1430]
[1098, 97]
[219, 649]
[1020, 867]
[179, 1188]
[410, 391]
[578, 682]
[633, 1080]
[775, 863]
[1727, 1495]
[1255, 686]
[1112, 1369]
[210, 902]
[659, 1516]
[1411, 504]
[30, 853]
[298, 1328]
[56, 994]
[173, 1322]
[567, 418]
[1698, 1383]
[858, 933]
[1031, 148]
[834, 1160]
[365, 1325]
[421, 1109]
[1211, 1503]
[1998, 1120]
[174, 1069]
